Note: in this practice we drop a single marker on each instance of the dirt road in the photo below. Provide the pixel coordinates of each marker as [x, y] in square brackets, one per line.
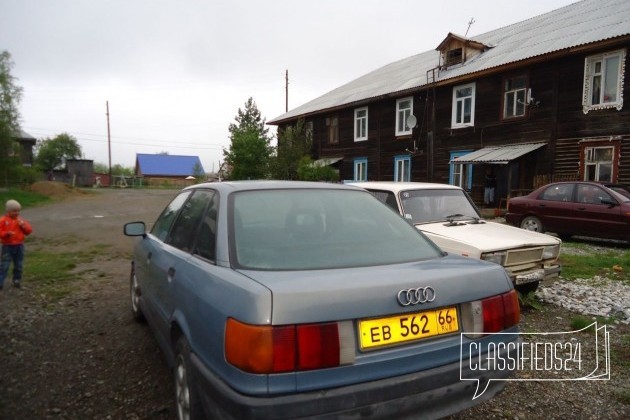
[83, 357]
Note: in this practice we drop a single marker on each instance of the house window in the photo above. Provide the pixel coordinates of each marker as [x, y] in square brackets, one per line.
[360, 169]
[463, 106]
[598, 163]
[402, 169]
[360, 124]
[454, 57]
[603, 81]
[333, 129]
[514, 97]
[461, 173]
[404, 109]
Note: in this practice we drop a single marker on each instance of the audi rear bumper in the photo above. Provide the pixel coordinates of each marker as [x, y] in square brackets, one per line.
[428, 394]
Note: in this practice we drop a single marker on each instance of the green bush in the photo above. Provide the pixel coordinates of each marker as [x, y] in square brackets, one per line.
[308, 171]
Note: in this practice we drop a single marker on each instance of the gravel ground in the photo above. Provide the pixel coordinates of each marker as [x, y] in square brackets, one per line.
[84, 357]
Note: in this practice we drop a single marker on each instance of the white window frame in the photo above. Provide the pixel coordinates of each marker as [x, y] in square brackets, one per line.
[360, 169]
[591, 73]
[457, 102]
[519, 96]
[402, 168]
[360, 124]
[590, 161]
[402, 114]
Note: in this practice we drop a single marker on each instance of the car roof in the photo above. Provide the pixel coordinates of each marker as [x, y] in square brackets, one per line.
[396, 187]
[235, 186]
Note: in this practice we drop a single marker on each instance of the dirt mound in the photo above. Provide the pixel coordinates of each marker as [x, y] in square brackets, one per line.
[55, 189]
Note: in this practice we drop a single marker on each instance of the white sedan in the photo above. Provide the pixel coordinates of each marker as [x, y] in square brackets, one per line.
[447, 215]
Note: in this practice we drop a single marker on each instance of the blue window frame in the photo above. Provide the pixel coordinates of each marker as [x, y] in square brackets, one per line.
[360, 169]
[402, 168]
[460, 174]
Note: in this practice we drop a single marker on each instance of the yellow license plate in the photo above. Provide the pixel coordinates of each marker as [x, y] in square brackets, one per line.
[408, 327]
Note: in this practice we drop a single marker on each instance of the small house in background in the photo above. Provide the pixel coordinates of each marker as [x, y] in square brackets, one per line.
[175, 170]
[26, 143]
[77, 173]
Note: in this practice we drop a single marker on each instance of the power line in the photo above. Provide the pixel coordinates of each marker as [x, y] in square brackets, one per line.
[126, 140]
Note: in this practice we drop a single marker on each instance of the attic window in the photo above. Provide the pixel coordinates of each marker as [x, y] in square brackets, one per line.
[453, 57]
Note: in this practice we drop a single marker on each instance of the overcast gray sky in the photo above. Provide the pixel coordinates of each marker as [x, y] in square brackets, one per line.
[175, 73]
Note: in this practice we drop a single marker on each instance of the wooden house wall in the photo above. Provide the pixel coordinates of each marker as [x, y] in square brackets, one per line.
[557, 119]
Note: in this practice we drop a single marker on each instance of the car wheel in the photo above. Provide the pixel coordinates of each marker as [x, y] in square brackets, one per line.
[532, 223]
[186, 399]
[527, 288]
[134, 290]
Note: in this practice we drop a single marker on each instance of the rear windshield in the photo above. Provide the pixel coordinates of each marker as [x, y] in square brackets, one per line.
[319, 229]
[424, 206]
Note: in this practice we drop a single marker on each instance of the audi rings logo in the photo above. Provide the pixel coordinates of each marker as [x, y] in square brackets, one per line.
[415, 296]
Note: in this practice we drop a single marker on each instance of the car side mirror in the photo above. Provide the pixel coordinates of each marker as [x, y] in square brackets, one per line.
[609, 201]
[135, 229]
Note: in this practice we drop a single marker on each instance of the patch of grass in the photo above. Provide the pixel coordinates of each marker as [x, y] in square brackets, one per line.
[51, 273]
[26, 198]
[578, 322]
[529, 300]
[623, 395]
[621, 353]
[610, 263]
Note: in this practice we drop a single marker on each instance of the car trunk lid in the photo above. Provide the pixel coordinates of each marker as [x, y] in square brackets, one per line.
[345, 294]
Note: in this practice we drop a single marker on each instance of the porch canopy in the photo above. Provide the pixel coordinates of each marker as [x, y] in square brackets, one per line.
[327, 161]
[498, 155]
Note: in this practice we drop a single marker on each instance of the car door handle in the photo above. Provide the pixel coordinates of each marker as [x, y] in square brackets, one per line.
[171, 272]
[581, 208]
[542, 205]
[149, 255]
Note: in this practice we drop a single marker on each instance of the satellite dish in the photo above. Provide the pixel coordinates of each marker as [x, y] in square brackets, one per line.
[411, 121]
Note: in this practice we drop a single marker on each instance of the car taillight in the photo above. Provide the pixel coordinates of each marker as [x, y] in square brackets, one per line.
[268, 349]
[491, 315]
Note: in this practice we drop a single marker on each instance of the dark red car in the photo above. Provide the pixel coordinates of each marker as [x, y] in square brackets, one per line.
[573, 208]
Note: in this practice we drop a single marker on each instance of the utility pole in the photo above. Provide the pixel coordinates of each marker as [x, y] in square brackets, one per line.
[286, 94]
[109, 144]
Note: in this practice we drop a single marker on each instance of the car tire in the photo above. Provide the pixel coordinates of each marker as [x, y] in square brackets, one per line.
[532, 223]
[134, 292]
[187, 401]
[527, 288]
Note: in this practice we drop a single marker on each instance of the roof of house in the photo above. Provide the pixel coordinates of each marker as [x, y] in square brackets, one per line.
[167, 165]
[568, 27]
[25, 135]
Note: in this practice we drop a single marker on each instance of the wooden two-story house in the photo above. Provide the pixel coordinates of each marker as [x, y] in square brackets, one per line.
[536, 101]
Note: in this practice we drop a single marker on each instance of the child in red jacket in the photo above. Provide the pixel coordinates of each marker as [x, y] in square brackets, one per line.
[13, 229]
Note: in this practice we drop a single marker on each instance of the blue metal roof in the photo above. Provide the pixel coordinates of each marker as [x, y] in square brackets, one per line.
[166, 165]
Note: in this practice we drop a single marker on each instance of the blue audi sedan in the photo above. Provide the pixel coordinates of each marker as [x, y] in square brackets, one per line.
[284, 300]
